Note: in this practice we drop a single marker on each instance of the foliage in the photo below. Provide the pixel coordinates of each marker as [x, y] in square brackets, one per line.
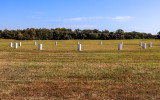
[158, 35]
[68, 34]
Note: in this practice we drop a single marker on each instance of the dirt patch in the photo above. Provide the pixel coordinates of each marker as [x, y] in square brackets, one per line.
[78, 90]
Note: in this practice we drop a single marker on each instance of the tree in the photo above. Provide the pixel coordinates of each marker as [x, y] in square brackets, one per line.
[0, 33]
[119, 34]
[158, 35]
[19, 36]
[93, 35]
[105, 35]
[66, 34]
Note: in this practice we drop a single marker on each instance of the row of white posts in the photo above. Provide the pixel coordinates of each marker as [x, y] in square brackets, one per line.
[140, 44]
[39, 46]
[15, 45]
[79, 48]
[20, 44]
[144, 45]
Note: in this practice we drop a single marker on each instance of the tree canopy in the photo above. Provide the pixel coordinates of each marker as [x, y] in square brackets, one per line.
[68, 34]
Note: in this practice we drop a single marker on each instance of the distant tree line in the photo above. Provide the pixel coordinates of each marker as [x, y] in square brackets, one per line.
[68, 34]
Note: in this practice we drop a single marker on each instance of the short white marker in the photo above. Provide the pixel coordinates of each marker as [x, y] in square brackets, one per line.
[100, 43]
[10, 44]
[20, 44]
[121, 43]
[77, 42]
[35, 43]
[56, 43]
[79, 47]
[140, 44]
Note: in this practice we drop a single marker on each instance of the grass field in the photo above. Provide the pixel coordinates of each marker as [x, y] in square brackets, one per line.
[96, 73]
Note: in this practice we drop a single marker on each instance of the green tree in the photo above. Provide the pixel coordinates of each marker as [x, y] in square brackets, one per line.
[119, 34]
[158, 35]
[19, 36]
[0, 33]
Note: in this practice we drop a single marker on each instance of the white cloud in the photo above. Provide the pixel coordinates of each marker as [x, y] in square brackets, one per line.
[75, 26]
[78, 19]
[75, 19]
[83, 26]
[122, 18]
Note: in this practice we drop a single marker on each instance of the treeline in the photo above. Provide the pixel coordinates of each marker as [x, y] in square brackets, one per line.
[67, 34]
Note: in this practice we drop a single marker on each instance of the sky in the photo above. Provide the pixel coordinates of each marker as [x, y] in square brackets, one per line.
[129, 15]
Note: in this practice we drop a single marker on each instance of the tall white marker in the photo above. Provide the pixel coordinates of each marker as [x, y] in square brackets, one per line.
[150, 44]
[144, 46]
[120, 46]
[40, 47]
[79, 47]
[15, 45]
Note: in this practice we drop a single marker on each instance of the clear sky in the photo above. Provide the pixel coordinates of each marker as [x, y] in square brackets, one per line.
[129, 15]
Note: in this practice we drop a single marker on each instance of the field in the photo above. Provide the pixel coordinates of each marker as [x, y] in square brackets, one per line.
[96, 73]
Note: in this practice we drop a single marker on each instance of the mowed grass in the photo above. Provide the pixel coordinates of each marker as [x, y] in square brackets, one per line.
[96, 73]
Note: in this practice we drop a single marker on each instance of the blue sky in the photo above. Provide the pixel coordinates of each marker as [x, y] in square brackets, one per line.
[129, 15]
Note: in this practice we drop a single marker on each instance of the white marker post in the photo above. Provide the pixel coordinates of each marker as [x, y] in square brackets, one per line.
[121, 43]
[150, 44]
[100, 43]
[144, 46]
[79, 47]
[140, 44]
[35, 43]
[15, 45]
[10, 45]
[120, 46]
[20, 44]
[56, 43]
[77, 42]
[40, 47]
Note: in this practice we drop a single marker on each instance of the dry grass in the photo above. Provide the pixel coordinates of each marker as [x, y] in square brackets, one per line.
[97, 72]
